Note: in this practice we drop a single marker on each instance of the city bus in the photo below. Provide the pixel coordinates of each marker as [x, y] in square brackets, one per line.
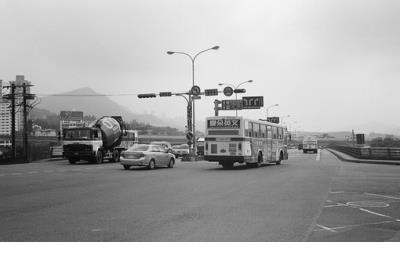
[236, 139]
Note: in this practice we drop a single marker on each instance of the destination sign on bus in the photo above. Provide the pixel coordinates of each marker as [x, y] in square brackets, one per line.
[223, 123]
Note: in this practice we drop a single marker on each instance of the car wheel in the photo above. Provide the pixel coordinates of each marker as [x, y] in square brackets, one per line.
[72, 160]
[127, 167]
[227, 165]
[171, 163]
[152, 164]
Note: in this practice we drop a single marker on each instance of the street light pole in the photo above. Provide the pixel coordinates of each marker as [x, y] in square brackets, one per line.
[191, 100]
[236, 87]
[270, 107]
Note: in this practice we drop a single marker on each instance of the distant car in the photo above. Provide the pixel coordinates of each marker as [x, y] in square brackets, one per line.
[150, 156]
[180, 150]
[164, 144]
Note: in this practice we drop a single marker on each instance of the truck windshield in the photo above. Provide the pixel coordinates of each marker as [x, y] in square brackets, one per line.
[78, 134]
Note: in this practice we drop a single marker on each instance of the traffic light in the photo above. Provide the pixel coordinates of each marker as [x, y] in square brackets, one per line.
[148, 95]
[211, 92]
[189, 137]
[165, 94]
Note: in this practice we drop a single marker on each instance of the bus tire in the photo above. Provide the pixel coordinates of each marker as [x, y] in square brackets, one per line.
[279, 161]
[259, 159]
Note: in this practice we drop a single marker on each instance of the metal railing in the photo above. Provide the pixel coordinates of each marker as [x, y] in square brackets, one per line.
[376, 153]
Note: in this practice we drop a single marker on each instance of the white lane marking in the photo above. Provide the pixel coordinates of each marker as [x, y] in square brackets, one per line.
[32, 172]
[385, 196]
[329, 201]
[374, 213]
[96, 230]
[336, 191]
[326, 228]
[334, 205]
[16, 173]
[373, 223]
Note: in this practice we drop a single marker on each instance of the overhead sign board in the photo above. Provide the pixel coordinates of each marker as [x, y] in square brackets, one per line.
[223, 123]
[273, 119]
[253, 102]
[232, 105]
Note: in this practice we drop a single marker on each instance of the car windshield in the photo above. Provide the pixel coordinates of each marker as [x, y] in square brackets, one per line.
[139, 148]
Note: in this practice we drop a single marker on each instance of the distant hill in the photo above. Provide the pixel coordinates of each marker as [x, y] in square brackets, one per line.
[92, 103]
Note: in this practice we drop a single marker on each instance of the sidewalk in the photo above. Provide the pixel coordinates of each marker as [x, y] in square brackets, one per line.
[344, 157]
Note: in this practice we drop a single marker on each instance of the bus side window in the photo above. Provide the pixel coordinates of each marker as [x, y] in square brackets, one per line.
[269, 132]
[274, 132]
[280, 132]
[263, 131]
[250, 134]
[256, 129]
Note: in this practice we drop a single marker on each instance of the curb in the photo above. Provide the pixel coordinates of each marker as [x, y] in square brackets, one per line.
[383, 162]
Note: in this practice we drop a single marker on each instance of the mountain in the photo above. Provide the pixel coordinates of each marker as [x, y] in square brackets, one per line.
[93, 103]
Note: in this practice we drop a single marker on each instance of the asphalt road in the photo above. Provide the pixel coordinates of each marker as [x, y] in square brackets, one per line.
[310, 197]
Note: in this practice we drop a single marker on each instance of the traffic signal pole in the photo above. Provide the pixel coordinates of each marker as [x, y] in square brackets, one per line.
[13, 143]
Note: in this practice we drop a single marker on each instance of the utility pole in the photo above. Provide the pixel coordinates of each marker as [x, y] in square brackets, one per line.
[25, 113]
[13, 143]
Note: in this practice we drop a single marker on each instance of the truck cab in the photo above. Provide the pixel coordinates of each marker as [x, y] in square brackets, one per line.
[82, 143]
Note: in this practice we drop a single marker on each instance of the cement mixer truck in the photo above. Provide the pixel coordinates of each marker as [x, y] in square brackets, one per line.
[95, 143]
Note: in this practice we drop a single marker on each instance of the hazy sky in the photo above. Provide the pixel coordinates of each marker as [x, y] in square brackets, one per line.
[331, 65]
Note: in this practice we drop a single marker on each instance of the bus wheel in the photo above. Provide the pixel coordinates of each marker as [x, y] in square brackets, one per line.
[227, 165]
[278, 162]
[259, 159]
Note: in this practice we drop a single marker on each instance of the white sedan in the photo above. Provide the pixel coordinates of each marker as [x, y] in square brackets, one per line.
[150, 156]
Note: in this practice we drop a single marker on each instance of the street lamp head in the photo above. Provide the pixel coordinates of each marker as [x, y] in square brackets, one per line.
[170, 52]
[220, 84]
[215, 47]
[250, 81]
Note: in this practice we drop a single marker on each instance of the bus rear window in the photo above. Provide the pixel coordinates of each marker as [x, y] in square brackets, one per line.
[223, 132]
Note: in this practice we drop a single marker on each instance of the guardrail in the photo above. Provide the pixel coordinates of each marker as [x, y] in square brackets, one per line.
[376, 153]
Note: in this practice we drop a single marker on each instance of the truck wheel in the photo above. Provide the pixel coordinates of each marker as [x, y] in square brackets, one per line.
[72, 160]
[152, 165]
[171, 163]
[115, 156]
[127, 167]
[99, 157]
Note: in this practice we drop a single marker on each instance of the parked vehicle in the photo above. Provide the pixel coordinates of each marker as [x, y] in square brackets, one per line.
[150, 156]
[180, 150]
[300, 146]
[94, 143]
[164, 144]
